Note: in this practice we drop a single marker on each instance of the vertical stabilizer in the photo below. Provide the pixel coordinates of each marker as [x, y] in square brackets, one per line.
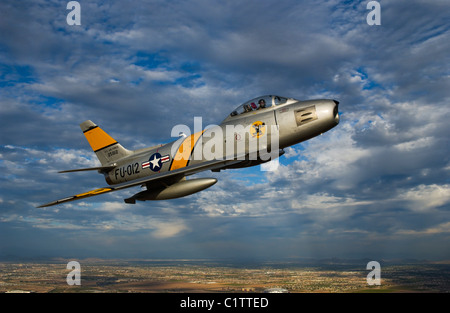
[107, 149]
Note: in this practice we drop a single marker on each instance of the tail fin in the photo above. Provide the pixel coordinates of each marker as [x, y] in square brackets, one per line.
[107, 149]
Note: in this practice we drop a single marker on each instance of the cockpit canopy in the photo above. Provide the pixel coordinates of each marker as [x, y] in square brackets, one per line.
[259, 103]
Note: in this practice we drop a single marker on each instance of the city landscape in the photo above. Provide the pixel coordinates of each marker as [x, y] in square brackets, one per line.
[180, 276]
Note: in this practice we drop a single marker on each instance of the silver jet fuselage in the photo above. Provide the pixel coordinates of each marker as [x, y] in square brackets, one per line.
[254, 133]
[237, 138]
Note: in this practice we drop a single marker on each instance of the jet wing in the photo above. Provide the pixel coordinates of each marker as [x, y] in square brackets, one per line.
[185, 171]
[100, 169]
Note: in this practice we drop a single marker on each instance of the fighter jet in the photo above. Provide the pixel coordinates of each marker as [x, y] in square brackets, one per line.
[255, 132]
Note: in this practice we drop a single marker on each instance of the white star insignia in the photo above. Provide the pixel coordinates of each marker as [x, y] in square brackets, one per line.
[155, 162]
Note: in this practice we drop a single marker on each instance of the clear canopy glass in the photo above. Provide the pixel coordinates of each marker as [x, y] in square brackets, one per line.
[259, 103]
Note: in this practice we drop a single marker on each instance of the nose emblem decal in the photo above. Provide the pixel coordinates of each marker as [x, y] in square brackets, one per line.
[258, 129]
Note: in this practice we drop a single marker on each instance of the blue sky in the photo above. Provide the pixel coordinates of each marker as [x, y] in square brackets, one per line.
[376, 186]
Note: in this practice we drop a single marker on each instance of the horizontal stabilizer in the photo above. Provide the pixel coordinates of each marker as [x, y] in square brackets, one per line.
[101, 169]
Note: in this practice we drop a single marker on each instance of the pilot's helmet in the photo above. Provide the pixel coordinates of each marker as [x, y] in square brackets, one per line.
[262, 103]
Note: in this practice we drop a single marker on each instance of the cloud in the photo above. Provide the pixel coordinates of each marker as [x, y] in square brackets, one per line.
[443, 228]
[138, 69]
[168, 230]
[425, 197]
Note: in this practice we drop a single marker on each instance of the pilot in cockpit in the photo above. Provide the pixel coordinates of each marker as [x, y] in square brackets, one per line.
[262, 103]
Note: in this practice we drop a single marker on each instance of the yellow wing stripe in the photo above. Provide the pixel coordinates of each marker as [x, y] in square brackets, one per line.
[79, 196]
[183, 154]
[92, 193]
[98, 138]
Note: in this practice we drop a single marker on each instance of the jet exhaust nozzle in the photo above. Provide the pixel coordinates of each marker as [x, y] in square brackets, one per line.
[177, 190]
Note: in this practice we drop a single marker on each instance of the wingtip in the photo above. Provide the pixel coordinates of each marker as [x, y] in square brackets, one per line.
[44, 205]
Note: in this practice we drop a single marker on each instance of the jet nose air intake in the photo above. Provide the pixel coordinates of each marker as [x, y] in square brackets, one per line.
[336, 111]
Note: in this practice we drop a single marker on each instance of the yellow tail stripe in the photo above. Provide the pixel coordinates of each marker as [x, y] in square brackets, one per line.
[98, 139]
[181, 158]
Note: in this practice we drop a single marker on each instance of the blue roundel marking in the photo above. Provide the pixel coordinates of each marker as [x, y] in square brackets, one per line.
[155, 162]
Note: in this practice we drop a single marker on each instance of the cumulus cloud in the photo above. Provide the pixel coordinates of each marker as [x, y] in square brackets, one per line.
[169, 229]
[425, 197]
